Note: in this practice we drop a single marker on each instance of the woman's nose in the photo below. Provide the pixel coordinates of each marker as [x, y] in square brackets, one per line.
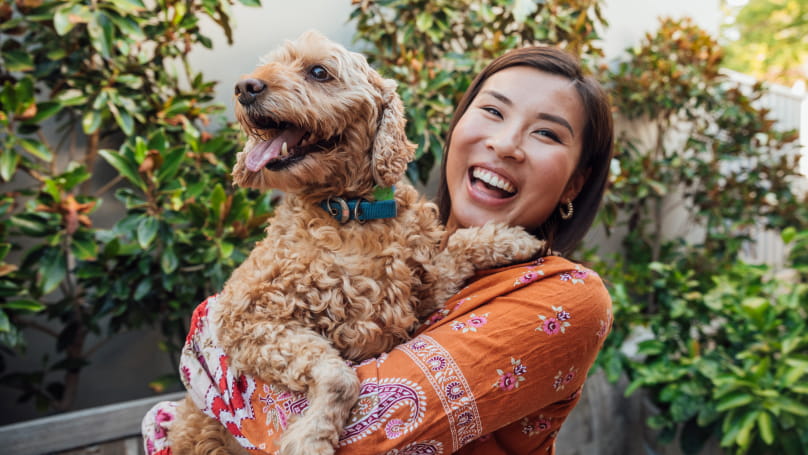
[506, 143]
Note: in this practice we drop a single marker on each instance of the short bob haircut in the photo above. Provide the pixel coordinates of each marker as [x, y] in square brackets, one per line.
[560, 235]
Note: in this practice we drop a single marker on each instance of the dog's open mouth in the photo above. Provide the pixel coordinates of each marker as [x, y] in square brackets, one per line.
[280, 144]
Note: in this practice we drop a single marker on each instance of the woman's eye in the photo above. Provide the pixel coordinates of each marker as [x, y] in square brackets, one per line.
[320, 74]
[550, 134]
[492, 111]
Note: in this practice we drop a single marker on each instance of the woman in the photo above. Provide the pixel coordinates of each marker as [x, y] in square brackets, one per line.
[502, 365]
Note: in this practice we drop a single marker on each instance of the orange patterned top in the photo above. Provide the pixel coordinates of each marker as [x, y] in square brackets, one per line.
[496, 371]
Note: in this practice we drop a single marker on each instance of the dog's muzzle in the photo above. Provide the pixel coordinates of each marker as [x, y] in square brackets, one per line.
[247, 90]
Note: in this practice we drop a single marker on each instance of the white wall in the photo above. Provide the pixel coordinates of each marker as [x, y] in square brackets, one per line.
[630, 20]
[256, 31]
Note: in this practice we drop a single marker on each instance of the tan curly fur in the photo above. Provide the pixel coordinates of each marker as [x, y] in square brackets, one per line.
[315, 292]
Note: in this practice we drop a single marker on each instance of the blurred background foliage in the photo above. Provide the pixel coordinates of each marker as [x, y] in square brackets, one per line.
[101, 111]
[766, 39]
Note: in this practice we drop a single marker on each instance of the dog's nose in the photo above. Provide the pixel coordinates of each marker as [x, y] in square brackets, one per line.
[248, 89]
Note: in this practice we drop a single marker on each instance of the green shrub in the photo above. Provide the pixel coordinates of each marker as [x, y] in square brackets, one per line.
[726, 352]
[97, 96]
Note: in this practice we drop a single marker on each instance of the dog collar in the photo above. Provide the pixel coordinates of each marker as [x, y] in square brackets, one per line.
[362, 210]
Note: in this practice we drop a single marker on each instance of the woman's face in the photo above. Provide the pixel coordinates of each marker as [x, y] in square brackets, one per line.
[514, 151]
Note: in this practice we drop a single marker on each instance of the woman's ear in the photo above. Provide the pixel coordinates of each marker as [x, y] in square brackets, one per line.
[574, 185]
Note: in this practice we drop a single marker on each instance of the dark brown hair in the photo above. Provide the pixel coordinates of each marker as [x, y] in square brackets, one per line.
[596, 150]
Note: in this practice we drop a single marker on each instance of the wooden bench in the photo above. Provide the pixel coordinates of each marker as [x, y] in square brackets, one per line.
[104, 430]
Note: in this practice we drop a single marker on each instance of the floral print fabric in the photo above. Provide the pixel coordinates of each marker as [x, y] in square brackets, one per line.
[497, 370]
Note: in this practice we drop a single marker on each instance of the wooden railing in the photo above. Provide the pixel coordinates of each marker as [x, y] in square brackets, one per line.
[104, 430]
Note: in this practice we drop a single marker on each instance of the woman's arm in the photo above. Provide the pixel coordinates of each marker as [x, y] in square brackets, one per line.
[508, 355]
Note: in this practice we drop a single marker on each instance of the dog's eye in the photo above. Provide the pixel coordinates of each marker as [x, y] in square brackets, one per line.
[319, 74]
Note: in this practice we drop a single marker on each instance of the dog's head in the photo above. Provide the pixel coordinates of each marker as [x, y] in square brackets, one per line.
[320, 121]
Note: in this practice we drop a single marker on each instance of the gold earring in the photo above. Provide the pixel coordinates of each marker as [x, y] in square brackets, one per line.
[568, 214]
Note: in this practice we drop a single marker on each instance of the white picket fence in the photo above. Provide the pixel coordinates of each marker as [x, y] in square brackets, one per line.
[789, 108]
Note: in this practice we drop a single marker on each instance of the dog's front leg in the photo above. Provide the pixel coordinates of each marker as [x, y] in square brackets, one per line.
[479, 248]
[332, 387]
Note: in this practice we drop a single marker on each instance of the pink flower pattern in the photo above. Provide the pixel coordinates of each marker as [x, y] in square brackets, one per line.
[528, 277]
[534, 426]
[576, 276]
[442, 313]
[562, 379]
[509, 380]
[556, 323]
[473, 323]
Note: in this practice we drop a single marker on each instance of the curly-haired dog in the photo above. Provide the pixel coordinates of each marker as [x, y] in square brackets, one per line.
[330, 281]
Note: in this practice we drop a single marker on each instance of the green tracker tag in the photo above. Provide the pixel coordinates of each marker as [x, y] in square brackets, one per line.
[384, 193]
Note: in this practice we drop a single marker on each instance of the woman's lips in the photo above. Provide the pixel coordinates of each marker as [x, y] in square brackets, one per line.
[491, 183]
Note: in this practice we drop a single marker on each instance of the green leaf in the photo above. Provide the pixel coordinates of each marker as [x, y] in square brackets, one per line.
[792, 406]
[424, 21]
[766, 427]
[44, 111]
[171, 164]
[169, 261]
[734, 400]
[217, 199]
[32, 224]
[143, 289]
[91, 121]
[17, 60]
[124, 166]
[32, 306]
[250, 2]
[37, 149]
[52, 270]
[147, 231]
[227, 249]
[129, 6]
[67, 16]
[71, 97]
[124, 120]
[788, 234]
[101, 33]
[129, 28]
[745, 431]
[85, 249]
[9, 160]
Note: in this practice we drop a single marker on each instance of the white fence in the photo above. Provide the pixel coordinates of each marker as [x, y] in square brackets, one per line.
[789, 108]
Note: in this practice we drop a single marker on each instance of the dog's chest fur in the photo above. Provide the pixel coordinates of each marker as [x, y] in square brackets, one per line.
[360, 285]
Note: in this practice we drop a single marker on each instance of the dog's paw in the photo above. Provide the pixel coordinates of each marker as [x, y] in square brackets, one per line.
[301, 437]
[494, 244]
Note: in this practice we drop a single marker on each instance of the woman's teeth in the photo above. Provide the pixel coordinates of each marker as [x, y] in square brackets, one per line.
[493, 180]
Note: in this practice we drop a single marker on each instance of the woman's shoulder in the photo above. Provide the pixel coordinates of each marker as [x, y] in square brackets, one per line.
[550, 274]
[549, 285]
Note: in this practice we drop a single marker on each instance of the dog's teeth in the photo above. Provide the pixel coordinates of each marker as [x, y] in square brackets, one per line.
[284, 150]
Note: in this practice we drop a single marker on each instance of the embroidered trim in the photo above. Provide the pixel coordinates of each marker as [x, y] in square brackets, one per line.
[450, 386]
[378, 401]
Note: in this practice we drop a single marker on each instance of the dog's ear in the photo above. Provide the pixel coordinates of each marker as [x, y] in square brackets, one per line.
[391, 149]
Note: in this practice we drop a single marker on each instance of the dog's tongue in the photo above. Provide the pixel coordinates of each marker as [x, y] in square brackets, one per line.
[263, 152]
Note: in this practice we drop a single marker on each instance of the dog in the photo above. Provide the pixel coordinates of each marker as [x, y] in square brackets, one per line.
[352, 261]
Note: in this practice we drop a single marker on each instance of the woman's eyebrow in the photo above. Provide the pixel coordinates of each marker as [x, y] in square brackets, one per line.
[556, 119]
[498, 96]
